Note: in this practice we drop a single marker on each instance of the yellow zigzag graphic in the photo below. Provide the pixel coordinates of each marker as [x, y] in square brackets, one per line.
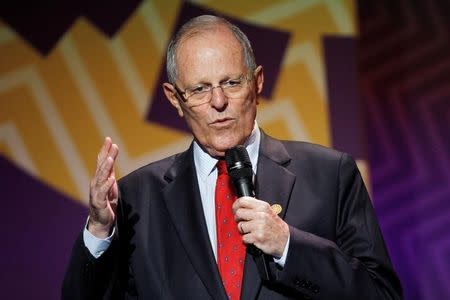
[55, 111]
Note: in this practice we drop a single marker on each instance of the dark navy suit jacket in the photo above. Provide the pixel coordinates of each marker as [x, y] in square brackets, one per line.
[162, 249]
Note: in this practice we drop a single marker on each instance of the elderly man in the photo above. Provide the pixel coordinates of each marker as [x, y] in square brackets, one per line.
[172, 229]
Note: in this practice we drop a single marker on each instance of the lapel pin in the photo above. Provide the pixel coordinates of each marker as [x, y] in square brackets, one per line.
[276, 208]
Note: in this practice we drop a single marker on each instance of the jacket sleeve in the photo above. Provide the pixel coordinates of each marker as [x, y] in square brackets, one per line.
[88, 277]
[354, 266]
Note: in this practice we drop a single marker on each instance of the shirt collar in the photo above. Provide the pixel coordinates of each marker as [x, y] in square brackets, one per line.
[205, 164]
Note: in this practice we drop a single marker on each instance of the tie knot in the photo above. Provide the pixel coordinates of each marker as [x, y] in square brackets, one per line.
[222, 167]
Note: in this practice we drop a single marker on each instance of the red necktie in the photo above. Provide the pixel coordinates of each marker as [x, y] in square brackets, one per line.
[230, 248]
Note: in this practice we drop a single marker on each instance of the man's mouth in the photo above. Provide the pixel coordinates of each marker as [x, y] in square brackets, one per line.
[222, 122]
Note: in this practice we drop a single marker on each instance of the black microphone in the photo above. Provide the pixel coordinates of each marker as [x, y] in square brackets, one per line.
[240, 171]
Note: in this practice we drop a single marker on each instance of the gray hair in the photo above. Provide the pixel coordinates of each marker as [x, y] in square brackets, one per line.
[201, 24]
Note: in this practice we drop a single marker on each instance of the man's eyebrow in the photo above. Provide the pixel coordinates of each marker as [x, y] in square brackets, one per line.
[200, 83]
[231, 77]
[224, 79]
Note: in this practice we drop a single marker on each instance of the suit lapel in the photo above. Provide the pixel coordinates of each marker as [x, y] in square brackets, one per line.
[183, 202]
[274, 184]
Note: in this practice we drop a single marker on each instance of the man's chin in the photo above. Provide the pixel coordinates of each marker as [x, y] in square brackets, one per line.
[219, 142]
[218, 150]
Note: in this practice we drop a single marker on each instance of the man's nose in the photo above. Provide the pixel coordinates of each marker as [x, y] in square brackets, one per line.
[218, 99]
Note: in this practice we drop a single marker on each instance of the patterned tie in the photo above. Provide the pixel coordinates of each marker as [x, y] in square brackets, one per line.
[230, 248]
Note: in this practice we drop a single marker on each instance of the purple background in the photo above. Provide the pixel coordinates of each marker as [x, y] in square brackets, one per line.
[38, 226]
[404, 76]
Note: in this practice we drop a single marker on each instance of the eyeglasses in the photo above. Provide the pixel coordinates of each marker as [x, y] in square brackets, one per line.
[202, 93]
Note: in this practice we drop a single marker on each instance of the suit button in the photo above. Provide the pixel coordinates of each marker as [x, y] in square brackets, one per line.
[316, 289]
[303, 283]
[296, 281]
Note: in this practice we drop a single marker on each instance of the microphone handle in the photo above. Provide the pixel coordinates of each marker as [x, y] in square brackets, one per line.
[244, 187]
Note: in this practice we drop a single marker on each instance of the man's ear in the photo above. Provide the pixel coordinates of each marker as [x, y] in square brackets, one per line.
[169, 91]
[259, 80]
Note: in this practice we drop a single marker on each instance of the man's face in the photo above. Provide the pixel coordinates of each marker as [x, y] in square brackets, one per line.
[212, 58]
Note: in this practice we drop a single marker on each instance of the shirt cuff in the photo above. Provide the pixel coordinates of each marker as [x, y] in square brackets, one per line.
[282, 260]
[95, 245]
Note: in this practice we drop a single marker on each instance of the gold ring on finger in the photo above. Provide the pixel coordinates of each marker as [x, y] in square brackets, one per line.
[240, 228]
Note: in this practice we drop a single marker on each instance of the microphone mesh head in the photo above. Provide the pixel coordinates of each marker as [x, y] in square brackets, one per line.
[238, 162]
[238, 153]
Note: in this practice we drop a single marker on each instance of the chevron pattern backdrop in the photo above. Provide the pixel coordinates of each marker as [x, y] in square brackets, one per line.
[75, 72]
[404, 64]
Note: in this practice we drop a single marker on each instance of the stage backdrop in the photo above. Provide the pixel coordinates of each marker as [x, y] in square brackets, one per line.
[74, 72]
